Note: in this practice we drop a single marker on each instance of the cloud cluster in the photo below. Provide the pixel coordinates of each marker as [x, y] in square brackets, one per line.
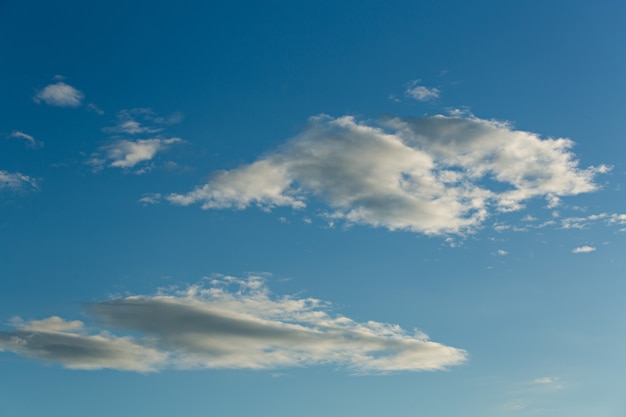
[433, 175]
[16, 181]
[215, 327]
[60, 95]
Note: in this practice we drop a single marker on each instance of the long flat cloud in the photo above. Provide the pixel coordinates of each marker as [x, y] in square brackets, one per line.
[433, 175]
[215, 327]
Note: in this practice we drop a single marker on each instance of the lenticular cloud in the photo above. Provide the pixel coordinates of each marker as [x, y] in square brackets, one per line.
[433, 175]
[224, 327]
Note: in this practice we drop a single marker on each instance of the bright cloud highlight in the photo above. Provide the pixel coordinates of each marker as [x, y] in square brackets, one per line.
[60, 95]
[433, 175]
[216, 327]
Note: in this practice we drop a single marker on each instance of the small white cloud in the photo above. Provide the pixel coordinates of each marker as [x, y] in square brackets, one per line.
[421, 93]
[60, 95]
[128, 153]
[553, 201]
[16, 181]
[30, 140]
[150, 198]
[502, 252]
[547, 382]
[583, 249]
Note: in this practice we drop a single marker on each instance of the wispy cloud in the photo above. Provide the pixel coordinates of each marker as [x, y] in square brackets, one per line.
[532, 396]
[141, 121]
[60, 95]
[584, 249]
[150, 198]
[420, 92]
[129, 153]
[547, 382]
[585, 221]
[16, 181]
[434, 175]
[232, 323]
[94, 108]
[30, 140]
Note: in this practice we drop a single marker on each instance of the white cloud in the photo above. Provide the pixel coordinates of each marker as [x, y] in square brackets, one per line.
[216, 327]
[150, 198]
[502, 252]
[434, 175]
[421, 93]
[60, 95]
[128, 153]
[583, 249]
[30, 140]
[16, 181]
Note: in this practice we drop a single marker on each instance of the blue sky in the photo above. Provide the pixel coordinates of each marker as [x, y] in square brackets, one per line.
[312, 208]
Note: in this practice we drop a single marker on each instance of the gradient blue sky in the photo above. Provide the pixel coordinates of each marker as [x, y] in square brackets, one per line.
[312, 208]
